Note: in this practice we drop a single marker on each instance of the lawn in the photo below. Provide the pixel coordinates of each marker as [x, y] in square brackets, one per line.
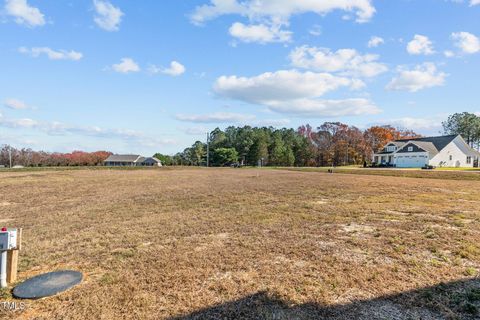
[247, 244]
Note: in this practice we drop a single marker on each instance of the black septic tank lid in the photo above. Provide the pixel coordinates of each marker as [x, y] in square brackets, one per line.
[47, 284]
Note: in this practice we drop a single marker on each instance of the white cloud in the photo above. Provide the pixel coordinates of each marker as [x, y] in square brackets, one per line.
[316, 31]
[175, 69]
[280, 11]
[127, 65]
[15, 104]
[294, 92]
[218, 117]
[449, 53]
[260, 33]
[108, 17]
[474, 2]
[24, 13]
[325, 108]
[18, 123]
[420, 45]
[280, 85]
[271, 122]
[345, 61]
[52, 54]
[194, 131]
[467, 42]
[61, 129]
[375, 42]
[431, 123]
[267, 17]
[421, 77]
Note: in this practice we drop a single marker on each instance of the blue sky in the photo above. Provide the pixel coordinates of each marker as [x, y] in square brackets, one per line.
[154, 76]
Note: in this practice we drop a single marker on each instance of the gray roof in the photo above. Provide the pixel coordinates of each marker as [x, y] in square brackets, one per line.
[431, 144]
[438, 142]
[427, 146]
[398, 144]
[122, 158]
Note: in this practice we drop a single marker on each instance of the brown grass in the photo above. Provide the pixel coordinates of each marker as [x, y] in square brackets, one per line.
[226, 243]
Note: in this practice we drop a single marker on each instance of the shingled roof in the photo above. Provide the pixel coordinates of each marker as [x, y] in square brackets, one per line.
[427, 146]
[122, 158]
[438, 142]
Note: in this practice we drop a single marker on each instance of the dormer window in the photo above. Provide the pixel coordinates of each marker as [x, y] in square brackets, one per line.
[391, 148]
[410, 149]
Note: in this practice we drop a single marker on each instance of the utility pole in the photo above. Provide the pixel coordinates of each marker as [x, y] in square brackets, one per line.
[10, 155]
[208, 149]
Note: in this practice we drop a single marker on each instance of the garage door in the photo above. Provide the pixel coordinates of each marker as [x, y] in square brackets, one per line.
[410, 161]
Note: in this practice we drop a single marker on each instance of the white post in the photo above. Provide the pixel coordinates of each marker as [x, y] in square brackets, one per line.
[3, 269]
[10, 155]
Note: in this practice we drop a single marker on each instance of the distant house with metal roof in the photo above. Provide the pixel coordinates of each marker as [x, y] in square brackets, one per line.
[443, 151]
[131, 160]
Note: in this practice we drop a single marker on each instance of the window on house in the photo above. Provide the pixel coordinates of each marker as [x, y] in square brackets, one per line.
[451, 157]
[410, 149]
[469, 160]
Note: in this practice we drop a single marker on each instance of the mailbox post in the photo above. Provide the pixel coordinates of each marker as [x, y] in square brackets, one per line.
[9, 239]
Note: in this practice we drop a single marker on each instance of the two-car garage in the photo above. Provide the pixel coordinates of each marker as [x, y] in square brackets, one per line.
[411, 161]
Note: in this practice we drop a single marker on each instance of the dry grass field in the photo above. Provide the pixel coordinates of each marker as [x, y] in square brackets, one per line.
[247, 244]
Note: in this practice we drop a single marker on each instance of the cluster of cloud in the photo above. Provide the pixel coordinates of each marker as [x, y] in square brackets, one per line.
[301, 93]
[201, 130]
[465, 42]
[375, 41]
[218, 117]
[260, 33]
[16, 104]
[24, 14]
[420, 45]
[226, 118]
[421, 77]
[175, 69]
[295, 92]
[62, 129]
[128, 65]
[433, 123]
[107, 16]
[267, 19]
[346, 61]
[51, 54]
[471, 2]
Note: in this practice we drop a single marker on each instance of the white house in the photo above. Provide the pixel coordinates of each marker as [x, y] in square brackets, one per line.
[444, 151]
[131, 160]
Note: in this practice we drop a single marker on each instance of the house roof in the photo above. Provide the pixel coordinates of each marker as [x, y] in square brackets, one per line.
[398, 144]
[431, 144]
[122, 158]
[427, 146]
[438, 142]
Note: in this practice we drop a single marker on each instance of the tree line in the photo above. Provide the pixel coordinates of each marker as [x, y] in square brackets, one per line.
[31, 158]
[332, 143]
